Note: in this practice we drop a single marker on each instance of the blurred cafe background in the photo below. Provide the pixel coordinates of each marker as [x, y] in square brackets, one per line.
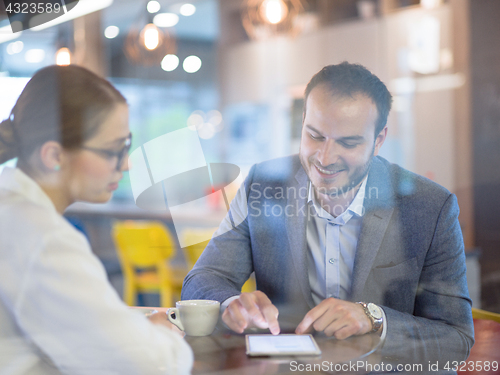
[235, 72]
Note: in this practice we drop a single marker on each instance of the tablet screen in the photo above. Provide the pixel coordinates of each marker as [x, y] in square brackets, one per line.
[269, 345]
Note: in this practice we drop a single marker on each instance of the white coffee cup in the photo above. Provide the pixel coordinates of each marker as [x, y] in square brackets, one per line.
[196, 317]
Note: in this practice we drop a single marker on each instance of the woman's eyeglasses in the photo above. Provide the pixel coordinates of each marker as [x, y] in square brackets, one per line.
[110, 154]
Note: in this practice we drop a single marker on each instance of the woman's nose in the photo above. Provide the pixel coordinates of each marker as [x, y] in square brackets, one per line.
[125, 165]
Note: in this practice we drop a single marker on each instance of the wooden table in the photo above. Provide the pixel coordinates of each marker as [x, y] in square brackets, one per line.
[485, 350]
[225, 353]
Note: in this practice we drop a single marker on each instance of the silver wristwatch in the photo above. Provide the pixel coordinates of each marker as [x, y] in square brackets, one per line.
[374, 313]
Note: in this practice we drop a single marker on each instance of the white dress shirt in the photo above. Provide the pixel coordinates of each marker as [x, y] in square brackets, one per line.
[331, 248]
[58, 312]
[331, 245]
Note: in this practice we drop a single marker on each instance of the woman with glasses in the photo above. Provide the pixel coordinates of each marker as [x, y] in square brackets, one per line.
[58, 313]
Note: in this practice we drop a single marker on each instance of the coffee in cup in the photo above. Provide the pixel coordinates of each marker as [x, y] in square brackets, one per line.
[196, 317]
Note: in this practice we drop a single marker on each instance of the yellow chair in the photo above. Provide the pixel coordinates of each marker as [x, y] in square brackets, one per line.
[192, 253]
[144, 249]
[250, 285]
[198, 236]
[486, 315]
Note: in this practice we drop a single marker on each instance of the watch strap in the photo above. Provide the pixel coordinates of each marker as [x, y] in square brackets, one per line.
[376, 323]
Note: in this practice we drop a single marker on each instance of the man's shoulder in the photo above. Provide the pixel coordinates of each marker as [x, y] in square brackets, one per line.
[405, 184]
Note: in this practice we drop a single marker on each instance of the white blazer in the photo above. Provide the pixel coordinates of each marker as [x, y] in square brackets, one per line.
[58, 313]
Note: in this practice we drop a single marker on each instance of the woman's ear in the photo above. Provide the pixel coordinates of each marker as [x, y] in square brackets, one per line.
[51, 155]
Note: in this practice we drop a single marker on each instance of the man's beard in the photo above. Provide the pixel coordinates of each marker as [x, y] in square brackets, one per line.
[355, 180]
[358, 176]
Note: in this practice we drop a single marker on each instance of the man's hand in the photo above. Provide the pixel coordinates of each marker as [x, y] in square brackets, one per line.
[336, 317]
[251, 310]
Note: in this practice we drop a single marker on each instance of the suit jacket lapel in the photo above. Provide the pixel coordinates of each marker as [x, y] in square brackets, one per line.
[372, 232]
[296, 230]
[379, 207]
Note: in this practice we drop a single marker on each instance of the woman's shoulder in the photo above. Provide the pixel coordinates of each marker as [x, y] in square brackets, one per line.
[26, 222]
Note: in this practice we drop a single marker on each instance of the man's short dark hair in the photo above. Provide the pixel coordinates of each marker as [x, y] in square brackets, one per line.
[347, 79]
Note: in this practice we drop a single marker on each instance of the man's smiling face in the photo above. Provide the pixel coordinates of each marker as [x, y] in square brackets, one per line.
[338, 140]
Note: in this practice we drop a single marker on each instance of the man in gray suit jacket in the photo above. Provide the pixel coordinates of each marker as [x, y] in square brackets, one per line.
[342, 240]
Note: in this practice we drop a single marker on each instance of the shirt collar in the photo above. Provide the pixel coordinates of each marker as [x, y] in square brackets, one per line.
[356, 208]
[13, 179]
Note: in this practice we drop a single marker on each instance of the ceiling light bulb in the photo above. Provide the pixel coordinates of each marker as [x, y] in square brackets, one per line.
[274, 11]
[63, 56]
[151, 36]
[187, 9]
[153, 6]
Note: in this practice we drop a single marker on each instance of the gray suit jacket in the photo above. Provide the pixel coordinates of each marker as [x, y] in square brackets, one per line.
[410, 255]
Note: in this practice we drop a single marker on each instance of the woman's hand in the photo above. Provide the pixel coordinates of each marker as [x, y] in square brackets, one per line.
[161, 318]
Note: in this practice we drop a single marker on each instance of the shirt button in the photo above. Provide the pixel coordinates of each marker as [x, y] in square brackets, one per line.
[331, 261]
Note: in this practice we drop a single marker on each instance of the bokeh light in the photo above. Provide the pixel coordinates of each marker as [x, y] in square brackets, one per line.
[169, 63]
[111, 32]
[191, 64]
[187, 9]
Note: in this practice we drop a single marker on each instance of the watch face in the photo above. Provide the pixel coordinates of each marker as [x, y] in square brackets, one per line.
[374, 310]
